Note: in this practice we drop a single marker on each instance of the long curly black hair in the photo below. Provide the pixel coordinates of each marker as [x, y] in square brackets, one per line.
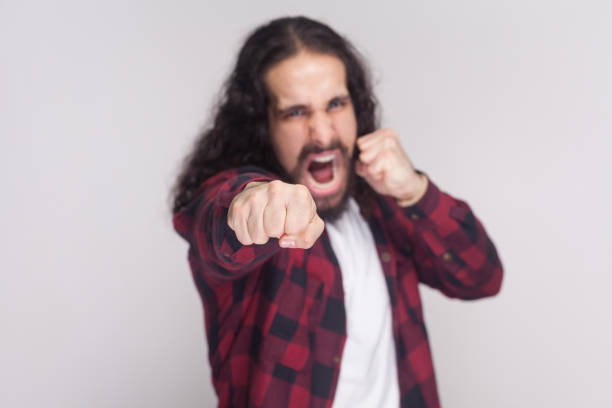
[239, 133]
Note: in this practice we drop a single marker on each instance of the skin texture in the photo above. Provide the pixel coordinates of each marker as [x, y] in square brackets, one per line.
[311, 109]
[387, 169]
[275, 210]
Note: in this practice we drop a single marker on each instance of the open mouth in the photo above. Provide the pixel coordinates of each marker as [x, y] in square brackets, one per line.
[324, 172]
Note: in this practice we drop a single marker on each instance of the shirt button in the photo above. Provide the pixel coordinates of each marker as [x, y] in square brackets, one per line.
[336, 359]
[385, 256]
[414, 216]
[447, 256]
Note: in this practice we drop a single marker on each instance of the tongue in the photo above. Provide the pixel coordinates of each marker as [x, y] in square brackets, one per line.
[321, 172]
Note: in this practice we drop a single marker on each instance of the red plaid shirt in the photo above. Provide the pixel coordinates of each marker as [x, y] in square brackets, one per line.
[275, 318]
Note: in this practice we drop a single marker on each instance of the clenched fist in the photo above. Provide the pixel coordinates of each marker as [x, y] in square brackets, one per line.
[265, 210]
[387, 169]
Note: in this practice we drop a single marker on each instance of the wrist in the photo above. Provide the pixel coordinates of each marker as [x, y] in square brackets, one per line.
[415, 193]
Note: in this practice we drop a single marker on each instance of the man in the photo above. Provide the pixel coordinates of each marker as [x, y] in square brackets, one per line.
[302, 313]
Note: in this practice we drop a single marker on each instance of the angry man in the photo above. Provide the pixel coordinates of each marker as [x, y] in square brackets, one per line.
[309, 230]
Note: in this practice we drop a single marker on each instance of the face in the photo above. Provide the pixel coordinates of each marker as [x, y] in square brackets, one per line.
[313, 127]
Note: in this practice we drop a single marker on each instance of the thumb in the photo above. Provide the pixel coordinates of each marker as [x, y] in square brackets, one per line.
[305, 239]
[286, 241]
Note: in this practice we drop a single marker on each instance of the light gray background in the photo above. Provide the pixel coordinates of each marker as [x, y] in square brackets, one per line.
[504, 103]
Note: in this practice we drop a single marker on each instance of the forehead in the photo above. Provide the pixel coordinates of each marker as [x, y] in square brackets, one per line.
[306, 78]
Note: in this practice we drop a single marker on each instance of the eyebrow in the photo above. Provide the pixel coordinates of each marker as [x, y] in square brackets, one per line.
[282, 111]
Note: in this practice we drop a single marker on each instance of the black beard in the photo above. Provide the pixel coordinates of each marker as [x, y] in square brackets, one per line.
[332, 213]
[324, 208]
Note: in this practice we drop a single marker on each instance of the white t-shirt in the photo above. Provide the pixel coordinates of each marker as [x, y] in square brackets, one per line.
[368, 371]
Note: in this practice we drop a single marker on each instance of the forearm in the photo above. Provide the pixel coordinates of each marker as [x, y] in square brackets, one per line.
[204, 224]
[448, 245]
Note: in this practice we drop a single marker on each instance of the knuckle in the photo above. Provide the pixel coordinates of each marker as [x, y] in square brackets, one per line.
[299, 196]
[275, 198]
[275, 187]
[253, 199]
[235, 205]
[235, 214]
[302, 190]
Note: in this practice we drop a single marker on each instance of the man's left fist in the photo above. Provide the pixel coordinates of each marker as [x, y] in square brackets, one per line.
[387, 169]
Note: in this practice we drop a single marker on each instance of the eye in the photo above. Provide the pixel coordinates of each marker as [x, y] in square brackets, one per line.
[336, 103]
[294, 113]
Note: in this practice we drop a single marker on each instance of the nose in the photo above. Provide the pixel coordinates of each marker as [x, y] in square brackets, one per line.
[321, 128]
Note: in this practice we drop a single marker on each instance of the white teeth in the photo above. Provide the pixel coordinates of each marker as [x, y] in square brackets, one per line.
[325, 159]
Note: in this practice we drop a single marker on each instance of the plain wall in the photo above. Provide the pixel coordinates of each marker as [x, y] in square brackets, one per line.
[506, 104]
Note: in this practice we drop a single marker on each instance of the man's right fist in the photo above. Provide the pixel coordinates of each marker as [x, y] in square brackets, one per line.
[265, 210]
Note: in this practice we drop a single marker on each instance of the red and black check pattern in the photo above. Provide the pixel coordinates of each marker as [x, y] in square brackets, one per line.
[275, 318]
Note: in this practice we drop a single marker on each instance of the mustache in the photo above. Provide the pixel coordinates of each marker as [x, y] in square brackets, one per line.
[312, 148]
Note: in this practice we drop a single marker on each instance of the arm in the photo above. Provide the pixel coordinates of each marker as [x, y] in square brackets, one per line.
[203, 223]
[448, 244]
[235, 221]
